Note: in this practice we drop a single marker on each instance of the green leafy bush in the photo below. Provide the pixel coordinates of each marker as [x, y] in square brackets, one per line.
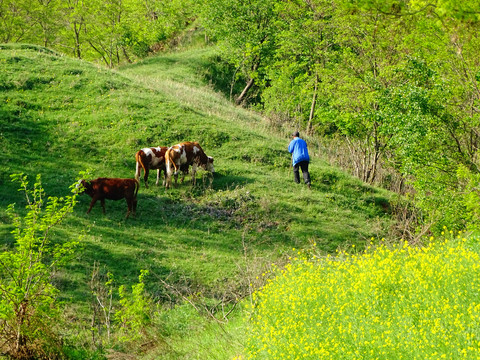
[135, 309]
[28, 307]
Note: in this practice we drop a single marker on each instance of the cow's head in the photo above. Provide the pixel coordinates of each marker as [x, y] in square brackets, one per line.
[84, 186]
[209, 166]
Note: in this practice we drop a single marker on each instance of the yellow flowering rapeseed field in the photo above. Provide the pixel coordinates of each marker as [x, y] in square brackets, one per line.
[389, 302]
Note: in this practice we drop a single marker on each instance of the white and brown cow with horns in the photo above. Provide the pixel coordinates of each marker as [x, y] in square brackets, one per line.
[181, 156]
[153, 158]
[150, 158]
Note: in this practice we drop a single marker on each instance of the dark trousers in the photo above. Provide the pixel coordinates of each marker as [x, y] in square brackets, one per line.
[306, 176]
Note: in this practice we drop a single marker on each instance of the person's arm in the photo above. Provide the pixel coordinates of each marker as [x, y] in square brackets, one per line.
[290, 146]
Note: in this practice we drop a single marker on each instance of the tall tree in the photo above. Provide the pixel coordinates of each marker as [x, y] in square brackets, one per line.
[305, 54]
[437, 141]
[331, 66]
[75, 15]
[13, 20]
[246, 31]
[371, 48]
[44, 18]
[103, 29]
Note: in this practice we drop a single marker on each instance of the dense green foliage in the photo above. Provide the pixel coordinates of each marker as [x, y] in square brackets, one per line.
[391, 302]
[203, 246]
[395, 81]
[112, 31]
[29, 313]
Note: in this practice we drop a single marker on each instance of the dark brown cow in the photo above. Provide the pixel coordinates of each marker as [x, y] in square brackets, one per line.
[154, 158]
[150, 158]
[181, 156]
[112, 189]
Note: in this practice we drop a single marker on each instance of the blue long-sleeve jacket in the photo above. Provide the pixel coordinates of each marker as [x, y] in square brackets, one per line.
[299, 151]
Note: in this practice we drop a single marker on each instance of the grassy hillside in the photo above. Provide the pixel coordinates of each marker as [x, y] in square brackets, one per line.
[60, 116]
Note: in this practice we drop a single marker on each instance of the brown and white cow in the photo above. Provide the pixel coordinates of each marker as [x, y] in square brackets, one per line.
[181, 156]
[112, 189]
[154, 158]
[150, 158]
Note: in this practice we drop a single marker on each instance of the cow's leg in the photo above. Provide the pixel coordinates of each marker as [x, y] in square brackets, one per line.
[194, 172]
[210, 176]
[171, 169]
[94, 200]
[145, 177]
[102, 201]
[175, 173]
[158, 176]
[129, 201]
[137, 169]
[168, 181]
[168, 174]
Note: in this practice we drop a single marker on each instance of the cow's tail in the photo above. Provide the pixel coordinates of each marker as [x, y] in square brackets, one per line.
[139, 162]
[168, 165]
[137, 186]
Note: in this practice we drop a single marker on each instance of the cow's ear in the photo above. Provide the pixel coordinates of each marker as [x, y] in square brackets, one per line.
[210, 159]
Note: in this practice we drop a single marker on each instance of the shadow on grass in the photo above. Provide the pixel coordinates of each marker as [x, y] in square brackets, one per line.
[186, 230]
[20, 131]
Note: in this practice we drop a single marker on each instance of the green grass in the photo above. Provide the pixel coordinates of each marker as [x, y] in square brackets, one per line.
[60, 116]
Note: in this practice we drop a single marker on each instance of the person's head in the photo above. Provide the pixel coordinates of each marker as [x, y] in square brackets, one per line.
[295, 134]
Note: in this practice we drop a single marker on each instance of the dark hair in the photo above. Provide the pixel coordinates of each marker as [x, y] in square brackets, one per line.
[296, 134]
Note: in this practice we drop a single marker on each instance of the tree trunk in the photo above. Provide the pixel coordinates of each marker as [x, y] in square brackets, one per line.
[125, 53]
[249, 85]
[241, 97]
[312, 108]
[102, 54]
[78, 53]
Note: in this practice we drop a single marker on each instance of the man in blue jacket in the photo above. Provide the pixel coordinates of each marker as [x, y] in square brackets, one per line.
[300, 158]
